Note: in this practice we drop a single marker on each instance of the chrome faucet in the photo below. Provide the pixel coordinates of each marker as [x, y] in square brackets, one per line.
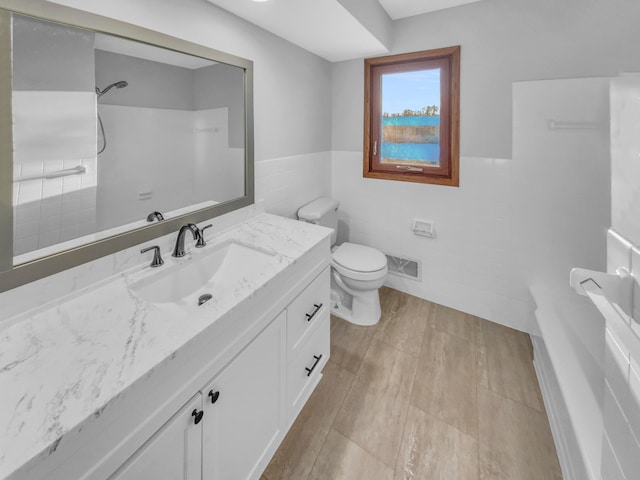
[178, 251]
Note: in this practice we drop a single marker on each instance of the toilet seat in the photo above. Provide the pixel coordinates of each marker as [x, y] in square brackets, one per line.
[359, 262]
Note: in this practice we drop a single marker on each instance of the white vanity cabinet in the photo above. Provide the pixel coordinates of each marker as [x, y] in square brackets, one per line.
[308, 330]
[244, 409]
[174, 451]
[219, 407]
[244, 412]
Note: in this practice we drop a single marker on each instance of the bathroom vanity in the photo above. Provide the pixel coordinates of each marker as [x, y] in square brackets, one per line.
[112, 382]
[110, 368]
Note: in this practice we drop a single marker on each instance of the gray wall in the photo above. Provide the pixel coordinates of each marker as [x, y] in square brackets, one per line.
[502, 41]
[374, 18]
[151, 84]
[222, 85]
[160, 85]
[49, 57]
[292, 87]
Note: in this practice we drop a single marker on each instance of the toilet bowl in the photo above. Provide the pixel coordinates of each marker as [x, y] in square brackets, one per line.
[357, 271]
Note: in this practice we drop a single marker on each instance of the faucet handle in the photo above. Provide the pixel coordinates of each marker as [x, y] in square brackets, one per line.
[201, 242]
[157, 258]
[155, 215]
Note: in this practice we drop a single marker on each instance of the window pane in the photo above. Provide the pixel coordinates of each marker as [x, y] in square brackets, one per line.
[410, 122]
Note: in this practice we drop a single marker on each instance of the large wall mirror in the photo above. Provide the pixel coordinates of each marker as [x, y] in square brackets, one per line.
[103, 123]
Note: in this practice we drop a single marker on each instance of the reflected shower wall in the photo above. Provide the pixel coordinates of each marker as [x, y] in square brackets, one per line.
[183, 149]
[53, 209]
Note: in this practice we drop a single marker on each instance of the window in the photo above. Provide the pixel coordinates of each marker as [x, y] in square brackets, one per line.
[412, 117]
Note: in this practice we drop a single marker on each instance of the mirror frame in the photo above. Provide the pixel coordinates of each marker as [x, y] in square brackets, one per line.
[12, 276]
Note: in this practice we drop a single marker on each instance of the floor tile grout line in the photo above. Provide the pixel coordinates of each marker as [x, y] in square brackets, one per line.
[432, 310]
[315, 460]
[347, 394]
[406, 417]
[324, 440]
[504, 395]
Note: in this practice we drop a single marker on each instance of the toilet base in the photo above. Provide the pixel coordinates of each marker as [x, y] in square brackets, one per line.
[361, 310]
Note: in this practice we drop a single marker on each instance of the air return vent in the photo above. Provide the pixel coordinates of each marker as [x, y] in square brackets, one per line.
[404, 267]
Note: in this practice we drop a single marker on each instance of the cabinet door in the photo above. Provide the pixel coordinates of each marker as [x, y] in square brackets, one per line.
[173, 453]
[244, 409]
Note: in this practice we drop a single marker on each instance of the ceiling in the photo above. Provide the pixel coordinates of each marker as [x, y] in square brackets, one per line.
[326, 27]
[408, 8]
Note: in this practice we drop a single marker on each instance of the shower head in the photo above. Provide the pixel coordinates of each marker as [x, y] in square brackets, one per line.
[120, 84]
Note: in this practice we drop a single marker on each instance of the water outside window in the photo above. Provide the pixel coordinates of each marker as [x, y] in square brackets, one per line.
[411, 118]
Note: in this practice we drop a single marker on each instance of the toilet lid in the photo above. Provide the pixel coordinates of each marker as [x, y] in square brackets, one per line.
[359, 258]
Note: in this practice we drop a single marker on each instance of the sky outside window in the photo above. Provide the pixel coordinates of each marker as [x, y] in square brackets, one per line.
[410, 90]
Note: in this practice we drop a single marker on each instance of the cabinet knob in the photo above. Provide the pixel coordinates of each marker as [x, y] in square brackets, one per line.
[197, 415]
[214, 396]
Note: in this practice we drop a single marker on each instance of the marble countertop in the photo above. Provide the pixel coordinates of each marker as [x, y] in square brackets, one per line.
[66, 362]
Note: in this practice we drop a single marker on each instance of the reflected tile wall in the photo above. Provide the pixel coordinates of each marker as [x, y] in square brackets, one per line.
[61, 135]
[621, 445]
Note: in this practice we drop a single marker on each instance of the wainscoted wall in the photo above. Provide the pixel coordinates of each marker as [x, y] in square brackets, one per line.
[469, 265]
[625, 156]
[621, 438]
[621, 410]
[285, 184]
[511, 223]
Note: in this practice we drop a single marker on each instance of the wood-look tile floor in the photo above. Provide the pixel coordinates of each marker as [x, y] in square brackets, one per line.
[427, 393]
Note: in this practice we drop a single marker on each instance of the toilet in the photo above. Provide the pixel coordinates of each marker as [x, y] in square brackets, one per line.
[357, 271]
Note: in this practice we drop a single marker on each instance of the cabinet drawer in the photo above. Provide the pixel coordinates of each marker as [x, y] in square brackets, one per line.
[306, 310]
[303, 371]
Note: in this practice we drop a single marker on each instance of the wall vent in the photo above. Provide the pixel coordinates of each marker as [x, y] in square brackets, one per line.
[404, 267]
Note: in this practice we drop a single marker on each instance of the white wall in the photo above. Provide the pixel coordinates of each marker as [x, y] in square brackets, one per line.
[288, 183]
[494, 239]
[621, 436]
[561, 212]
[511, 223]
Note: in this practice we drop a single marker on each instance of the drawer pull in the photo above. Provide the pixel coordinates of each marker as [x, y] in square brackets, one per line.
[197, 416]
[315, 364]
[313, 314]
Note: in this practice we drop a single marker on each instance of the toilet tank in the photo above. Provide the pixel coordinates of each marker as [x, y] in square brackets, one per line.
[322, 211]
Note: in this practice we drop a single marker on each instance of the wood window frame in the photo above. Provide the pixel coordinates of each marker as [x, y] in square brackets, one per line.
[448, 61]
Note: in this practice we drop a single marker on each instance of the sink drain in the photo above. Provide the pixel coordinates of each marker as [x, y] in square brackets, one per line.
[204, 298]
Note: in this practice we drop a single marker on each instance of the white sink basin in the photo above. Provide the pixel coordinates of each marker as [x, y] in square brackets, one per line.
[227, 264]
